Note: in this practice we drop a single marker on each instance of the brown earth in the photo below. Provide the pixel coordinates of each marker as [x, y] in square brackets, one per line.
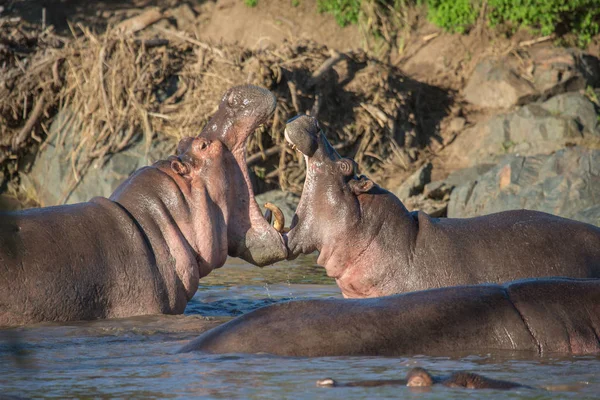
[363, 92]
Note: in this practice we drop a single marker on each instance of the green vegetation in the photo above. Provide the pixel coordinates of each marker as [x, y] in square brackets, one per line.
[345, 11]
[580, 17]
[251, 3]
[452, 15]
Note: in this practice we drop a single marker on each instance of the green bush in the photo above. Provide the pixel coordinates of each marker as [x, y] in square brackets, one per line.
[345, 11]
[452, 15]
[581, 17]
[547, 16]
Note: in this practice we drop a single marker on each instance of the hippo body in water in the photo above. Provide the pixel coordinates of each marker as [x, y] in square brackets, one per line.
[537, 315]
[372, 246]
[143, 250]
[419, 377]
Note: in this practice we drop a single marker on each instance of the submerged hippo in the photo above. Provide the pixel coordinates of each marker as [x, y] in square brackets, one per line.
[373, 246]
[143, 250]
[420, 377]
[537, 315]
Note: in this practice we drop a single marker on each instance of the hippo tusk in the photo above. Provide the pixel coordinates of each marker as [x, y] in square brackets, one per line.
[279, 218]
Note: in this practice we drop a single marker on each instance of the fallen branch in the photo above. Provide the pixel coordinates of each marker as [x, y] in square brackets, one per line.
[256, 158]
[188, 39]
[140, 21]
[326, 66]
[35, 115]
[292, 88]
[527, 43]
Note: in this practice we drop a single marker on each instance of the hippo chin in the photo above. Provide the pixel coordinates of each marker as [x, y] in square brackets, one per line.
[538, 316]
[372, 246]
[143, 250]
[420, 377]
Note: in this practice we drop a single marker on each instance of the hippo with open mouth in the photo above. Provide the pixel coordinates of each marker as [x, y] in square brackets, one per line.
[372, 246]
[251, 237]
[143, 250]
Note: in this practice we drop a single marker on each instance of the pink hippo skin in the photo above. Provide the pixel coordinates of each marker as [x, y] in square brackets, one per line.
[143, 250]
[373, 246]
[242, 110]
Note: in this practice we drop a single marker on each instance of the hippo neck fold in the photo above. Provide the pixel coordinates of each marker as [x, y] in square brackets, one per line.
[353, 258]
[169, 233]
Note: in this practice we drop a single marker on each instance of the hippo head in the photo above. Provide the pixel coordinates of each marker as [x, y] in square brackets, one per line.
[206, 165]
[249, 235]
[329, 207]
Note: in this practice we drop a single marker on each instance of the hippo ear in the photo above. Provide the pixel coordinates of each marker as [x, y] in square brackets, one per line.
[346, 166]
[361, 185]
[179, 167]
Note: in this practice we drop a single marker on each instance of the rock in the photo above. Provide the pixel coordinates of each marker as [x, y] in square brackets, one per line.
[457, 124]
[566, 183]
[286, 201]
[539, 74]
[538, 128]
[184, 15]
[464, 175]
[437, 190]
[495, 85]
[52, 176]
[415, 183]
[435, 208]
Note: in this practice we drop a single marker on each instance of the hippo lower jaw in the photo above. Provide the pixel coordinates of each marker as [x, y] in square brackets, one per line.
[250, 236]
[263, 244]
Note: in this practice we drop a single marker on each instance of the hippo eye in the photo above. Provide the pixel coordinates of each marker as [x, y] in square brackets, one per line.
[203, 145]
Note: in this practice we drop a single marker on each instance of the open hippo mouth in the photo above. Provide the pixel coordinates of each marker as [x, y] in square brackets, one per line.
[323, 194]
[250, 235]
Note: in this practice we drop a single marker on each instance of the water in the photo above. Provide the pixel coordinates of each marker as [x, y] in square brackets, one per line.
[136, 357]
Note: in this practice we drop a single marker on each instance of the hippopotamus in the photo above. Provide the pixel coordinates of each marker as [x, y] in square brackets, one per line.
[143, 249]
[420, 377]
[539, 316]
[251, 237]
[373, 246]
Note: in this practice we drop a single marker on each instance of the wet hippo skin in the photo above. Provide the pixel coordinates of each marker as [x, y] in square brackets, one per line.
[419, 377]
[537, 315]
[143, 250]
[372, 246]
[140, 252]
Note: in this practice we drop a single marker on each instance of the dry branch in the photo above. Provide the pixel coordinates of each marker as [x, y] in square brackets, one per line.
[140, 22]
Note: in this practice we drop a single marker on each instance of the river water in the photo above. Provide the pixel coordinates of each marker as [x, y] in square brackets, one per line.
[136, 357]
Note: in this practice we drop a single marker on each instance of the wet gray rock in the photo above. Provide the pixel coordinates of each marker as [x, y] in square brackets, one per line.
[52, 177]
[286, 201]
[415, 183]
[539, 73]
[537, 128]
[566, 183]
